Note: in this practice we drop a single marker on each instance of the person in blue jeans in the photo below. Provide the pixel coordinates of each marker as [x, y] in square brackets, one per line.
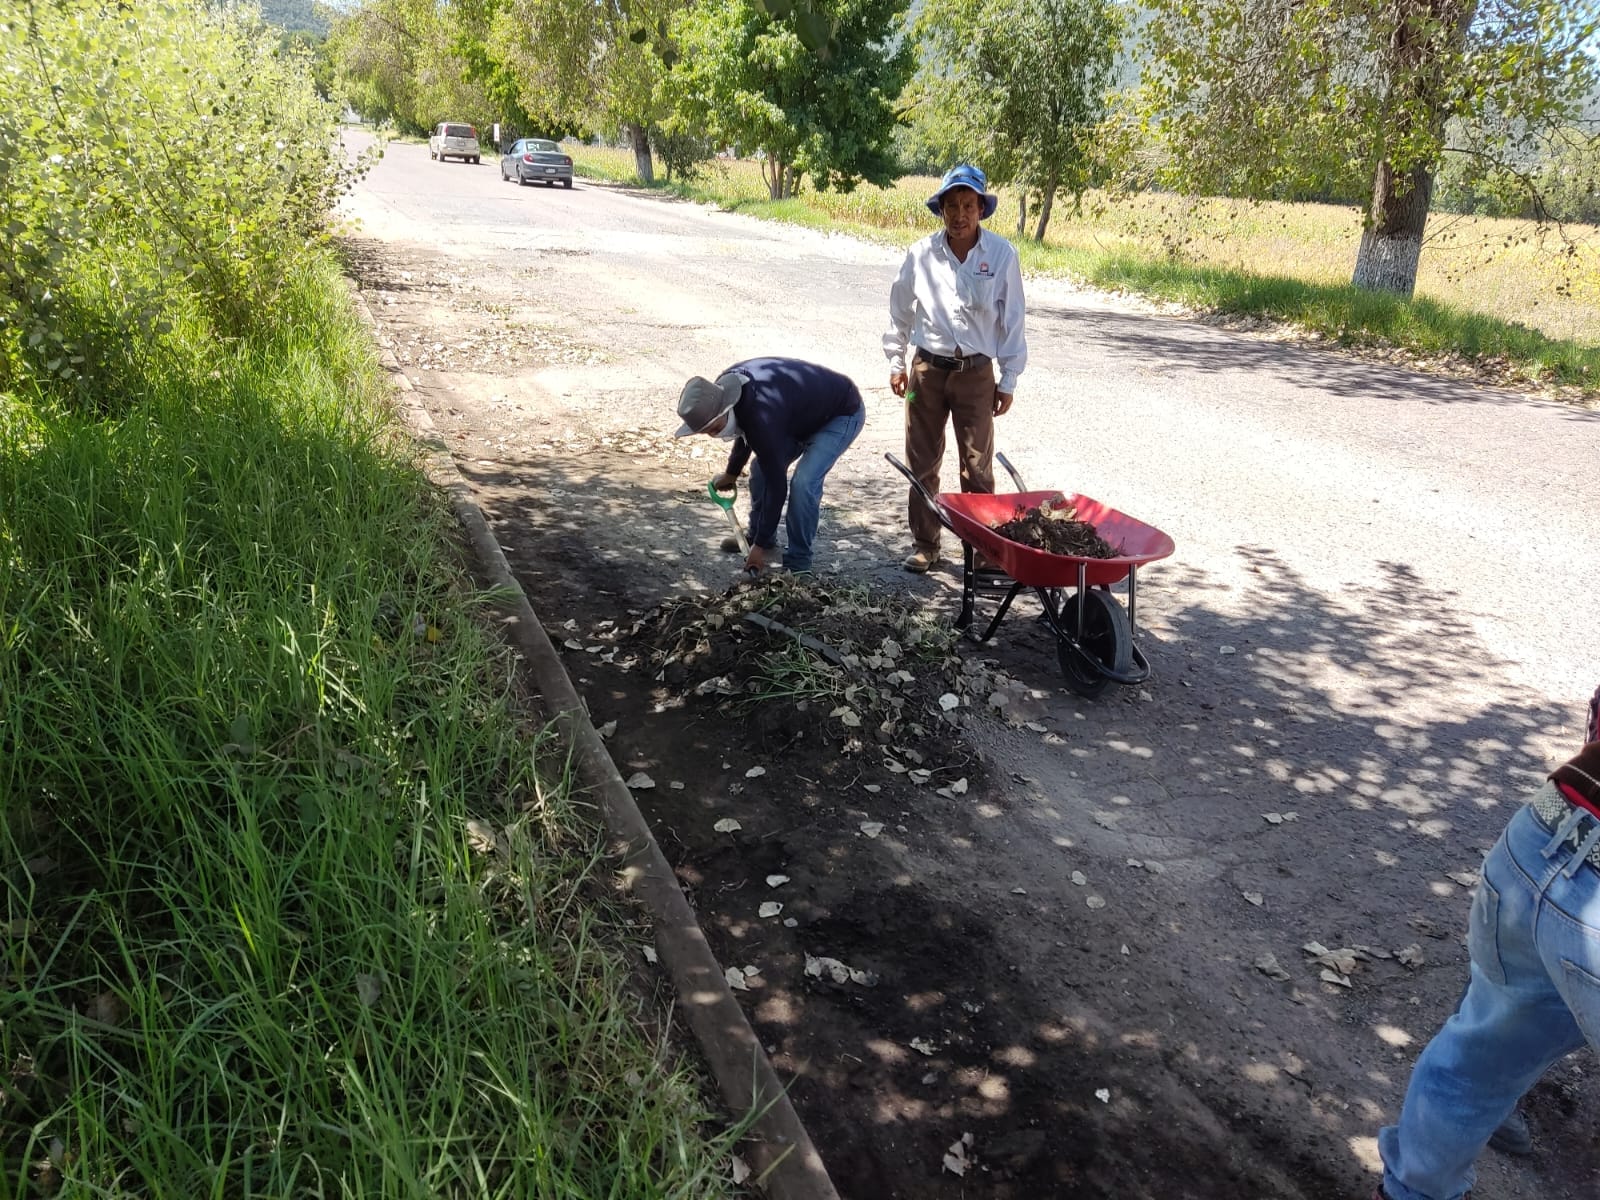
[779, 412]
[1534, 992]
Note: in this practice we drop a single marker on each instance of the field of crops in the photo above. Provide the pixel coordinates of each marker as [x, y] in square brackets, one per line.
[1499, 268]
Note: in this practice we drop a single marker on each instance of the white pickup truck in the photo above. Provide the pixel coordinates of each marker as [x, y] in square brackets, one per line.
[453, 140]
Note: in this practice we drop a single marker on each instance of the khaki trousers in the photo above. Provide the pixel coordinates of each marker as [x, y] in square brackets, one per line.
[966, 400]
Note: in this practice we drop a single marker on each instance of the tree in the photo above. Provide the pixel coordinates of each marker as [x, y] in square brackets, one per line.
[1273, 98]
[1018, 86]
[593, 63]
[399, 59]
[811, 89]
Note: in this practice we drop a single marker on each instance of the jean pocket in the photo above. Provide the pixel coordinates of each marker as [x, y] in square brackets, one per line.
[1581, 990]
[1483, 932]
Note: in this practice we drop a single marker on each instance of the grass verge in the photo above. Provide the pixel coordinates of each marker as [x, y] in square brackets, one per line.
[297, 902]
[1121, 251]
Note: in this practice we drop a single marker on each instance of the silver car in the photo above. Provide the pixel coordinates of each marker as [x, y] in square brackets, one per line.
[536, 160]
[453, 140]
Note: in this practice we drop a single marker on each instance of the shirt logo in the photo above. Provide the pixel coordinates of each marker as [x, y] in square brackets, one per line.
[983, 269]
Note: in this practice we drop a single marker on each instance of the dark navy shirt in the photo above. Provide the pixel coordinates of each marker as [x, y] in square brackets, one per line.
[783, 405]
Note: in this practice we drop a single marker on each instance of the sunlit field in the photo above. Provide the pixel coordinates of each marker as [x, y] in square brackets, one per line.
[1499, 268]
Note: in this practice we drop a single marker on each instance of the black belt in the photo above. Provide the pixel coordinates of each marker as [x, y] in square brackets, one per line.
[961, 362]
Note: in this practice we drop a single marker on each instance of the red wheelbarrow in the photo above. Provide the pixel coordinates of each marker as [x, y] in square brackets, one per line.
[1095, 642]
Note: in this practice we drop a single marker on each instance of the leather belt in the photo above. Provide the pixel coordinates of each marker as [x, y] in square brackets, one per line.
[945, 362]
[1552, 808]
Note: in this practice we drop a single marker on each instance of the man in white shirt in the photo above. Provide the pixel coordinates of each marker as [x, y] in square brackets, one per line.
[955, 311]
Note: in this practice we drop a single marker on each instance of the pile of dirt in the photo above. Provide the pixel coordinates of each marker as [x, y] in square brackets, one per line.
[796, 660]
[1055, 528]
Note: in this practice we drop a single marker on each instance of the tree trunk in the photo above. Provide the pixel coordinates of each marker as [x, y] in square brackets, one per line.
[1426, 37]
[1391, 244]
[643, 165]
[1046, 203]
[1022, 212]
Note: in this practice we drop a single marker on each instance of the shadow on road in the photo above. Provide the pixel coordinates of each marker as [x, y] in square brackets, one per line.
[1155, 346]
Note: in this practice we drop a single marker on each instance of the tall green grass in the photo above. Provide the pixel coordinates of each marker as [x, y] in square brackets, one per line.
[297, 902]
[1488, 294]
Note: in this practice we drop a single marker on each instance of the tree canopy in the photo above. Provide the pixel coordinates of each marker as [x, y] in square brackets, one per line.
[812, 90]
[1018, 86]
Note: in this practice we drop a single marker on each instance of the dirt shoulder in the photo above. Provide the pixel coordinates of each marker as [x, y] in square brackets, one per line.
[1066, 956]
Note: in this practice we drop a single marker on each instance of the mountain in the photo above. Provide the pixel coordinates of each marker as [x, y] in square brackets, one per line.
[295, 15]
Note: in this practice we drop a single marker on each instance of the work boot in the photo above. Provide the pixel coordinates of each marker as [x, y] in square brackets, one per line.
[1513, 1137]
[918, 561]
[730, 545]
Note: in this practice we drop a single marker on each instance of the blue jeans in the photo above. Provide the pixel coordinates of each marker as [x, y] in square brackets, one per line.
[817, 455]
[1534, 996]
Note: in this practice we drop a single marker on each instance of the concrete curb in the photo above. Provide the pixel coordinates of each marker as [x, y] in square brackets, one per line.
[787, 1165]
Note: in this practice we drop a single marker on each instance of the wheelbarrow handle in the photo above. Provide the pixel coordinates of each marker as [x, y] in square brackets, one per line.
[1011, 471]
[928, 497]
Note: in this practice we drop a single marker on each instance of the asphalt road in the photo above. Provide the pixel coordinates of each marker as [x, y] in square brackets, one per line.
[1380, 612]
[1352, 476]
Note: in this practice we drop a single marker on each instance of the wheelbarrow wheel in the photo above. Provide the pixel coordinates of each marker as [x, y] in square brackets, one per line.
[1107, 641]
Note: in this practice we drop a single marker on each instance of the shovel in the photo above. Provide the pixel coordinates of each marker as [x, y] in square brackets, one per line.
[725, 503]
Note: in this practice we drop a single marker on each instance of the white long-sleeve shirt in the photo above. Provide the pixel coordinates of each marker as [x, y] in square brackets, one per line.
[950, 307]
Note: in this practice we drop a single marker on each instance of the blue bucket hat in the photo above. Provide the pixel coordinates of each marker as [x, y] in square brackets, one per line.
[967, 177]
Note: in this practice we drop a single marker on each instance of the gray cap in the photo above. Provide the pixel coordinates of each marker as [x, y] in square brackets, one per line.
[702, 401]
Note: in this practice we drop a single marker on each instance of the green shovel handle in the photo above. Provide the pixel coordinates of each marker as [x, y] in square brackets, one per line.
[723, 502]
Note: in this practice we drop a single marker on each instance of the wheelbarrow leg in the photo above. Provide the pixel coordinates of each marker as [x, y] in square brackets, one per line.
[969, 597]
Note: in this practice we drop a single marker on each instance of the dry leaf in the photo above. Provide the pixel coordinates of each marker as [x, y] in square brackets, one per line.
[369, 988]
[1411, 956]
[777, 880]
[923, 1046]
[1267, 964]
[1328, 976]
[755, 772]
[959, 787]
[1095, 902]
[949, 701]
[607, 729]
[955, 1158]
[1343, 960]
[108, 1009]
[769, 908]
[1079, 878]
[741, 1169]
[640, 782]
[1467, 879]
[480, 837]
[735, 978]
[649, 953]
[1255, 898]
[1272, 818]
[727, 825]
[1103, 1095]
[872, 828]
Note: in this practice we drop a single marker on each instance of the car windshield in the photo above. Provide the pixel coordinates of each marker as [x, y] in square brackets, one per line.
[542, 147]
[465, 131]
